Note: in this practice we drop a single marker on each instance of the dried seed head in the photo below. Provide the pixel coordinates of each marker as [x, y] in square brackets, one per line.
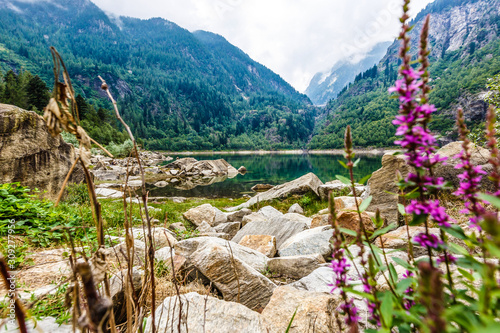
[104, 86]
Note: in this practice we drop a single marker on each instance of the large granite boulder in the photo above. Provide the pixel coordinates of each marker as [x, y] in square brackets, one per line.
[314, 312]
[236, 280]
[382, 184]
[383, 187]
[307, 183]
[205, 314]
[30, 155]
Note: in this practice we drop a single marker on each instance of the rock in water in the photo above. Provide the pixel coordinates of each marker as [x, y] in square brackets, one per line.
[302, 185]
[205, 314]
[30, 155]
[314, 312]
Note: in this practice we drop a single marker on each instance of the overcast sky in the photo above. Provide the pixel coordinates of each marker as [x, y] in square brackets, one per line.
[294, 38]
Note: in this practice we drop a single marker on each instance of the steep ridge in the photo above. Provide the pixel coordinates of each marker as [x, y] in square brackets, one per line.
[465, 44]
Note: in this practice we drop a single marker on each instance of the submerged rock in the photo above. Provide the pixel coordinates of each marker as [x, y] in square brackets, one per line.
[307, 183]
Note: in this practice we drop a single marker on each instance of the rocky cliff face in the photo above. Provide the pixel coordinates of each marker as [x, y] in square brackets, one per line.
[30, 155]
[454, 26]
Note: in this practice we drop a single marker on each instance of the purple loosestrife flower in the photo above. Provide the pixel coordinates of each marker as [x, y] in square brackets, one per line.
[426, 240]
[442, 258]
[470, 179]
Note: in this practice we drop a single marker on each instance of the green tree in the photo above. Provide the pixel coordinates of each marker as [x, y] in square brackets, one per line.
[37, 93]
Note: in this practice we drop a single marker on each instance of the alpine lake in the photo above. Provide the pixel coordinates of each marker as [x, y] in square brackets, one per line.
[269, 168]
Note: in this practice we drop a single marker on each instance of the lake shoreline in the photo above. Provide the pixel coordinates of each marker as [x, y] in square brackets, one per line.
[368, 151]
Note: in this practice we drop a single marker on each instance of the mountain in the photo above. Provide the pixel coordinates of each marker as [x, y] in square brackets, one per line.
[176, 89]
[325, 86]
[465, 52]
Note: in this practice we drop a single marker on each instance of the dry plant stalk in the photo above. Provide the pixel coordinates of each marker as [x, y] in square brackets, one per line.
[20, 312]
[150, 244]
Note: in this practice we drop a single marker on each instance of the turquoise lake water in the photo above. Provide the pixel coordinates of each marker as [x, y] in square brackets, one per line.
[271, 169]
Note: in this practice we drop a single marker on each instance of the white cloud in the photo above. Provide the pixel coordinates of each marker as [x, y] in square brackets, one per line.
[294, 38]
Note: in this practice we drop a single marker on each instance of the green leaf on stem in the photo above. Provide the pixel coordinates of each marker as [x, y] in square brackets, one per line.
[455, 248]
[383, 231]
[365, 179]
[386, 309]
[491, 199]
[343, 179]
[403, 263]
[364, 205]
[402, 209]
[456, 231]
[356, 163]
[348, 232]
[404, 285]
[343, 164]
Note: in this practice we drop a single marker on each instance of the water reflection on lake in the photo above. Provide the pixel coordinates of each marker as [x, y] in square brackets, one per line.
[271, 169]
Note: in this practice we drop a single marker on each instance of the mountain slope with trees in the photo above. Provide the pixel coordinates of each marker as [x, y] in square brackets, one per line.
[177, 90]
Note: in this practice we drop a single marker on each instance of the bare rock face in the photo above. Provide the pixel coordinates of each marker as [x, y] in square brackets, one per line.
[315, 311]
[30, 155]
[307, 183]
[205, 314]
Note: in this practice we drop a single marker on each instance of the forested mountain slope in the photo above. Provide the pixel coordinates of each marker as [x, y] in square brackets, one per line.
[177, 90]
[465, 44]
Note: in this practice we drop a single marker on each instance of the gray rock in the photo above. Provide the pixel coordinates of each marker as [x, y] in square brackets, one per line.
[238, 215]
[207, 213]
[230, 228]
[108, 193]
[298, 218]
[312, 241]
[295, 208]
[204, 227]
[178, 227]
[161, 183]
[251, 257]
[236, 280]
[279, 227]
[252, 218]
[307, 183]
[269, 212]
[161, 236]
[117, 288]
[314, 312]
[164, 254]
[295, 267]
[205, 314]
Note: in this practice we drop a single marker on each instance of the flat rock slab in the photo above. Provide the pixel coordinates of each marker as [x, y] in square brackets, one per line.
[295, 267]
[201, 313]
[279, 227]
[311, 241]
[251, 257]
[314, 312]
[307, 183]
[47, 324]
[108, 193]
